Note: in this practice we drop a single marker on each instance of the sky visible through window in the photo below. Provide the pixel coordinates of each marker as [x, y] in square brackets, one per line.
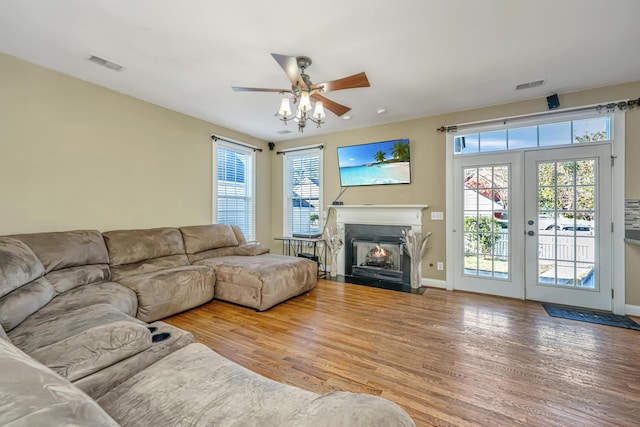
[543, 135]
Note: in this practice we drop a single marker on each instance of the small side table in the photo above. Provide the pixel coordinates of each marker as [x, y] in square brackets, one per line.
[305, 247]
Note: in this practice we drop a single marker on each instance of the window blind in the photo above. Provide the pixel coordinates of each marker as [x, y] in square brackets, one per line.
[235, 198]
[302, 191]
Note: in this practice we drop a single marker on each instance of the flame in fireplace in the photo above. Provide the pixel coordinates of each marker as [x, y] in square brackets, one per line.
[378, 252]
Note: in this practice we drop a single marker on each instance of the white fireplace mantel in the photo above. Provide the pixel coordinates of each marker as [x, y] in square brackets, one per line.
[402, 215]
[406, 215]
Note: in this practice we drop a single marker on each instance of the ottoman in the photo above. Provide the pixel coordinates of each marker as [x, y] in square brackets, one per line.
[261, 281]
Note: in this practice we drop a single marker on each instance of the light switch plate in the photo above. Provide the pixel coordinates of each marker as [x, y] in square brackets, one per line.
[438, 216]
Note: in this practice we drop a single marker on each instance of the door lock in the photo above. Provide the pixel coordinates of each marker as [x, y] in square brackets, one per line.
[530, 233]
[530, 222]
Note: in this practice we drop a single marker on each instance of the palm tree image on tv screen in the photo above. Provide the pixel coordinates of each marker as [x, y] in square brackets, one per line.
[376, 163]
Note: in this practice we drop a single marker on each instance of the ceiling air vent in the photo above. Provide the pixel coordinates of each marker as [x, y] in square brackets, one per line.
[529, 85]
[106, 63]
[284, 132]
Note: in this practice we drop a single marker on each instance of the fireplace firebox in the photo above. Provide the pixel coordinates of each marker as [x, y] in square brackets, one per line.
[376, 252]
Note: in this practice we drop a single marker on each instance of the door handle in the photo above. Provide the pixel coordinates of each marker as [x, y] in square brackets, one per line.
[530, 233]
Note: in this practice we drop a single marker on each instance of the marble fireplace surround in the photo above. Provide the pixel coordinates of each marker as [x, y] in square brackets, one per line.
[402, 215]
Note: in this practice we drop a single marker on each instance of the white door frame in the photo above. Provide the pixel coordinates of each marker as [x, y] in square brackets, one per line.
[617, 200]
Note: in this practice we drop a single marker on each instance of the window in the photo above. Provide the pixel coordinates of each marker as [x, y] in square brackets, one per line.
[545, 134]
[235, 187]
[302, 192]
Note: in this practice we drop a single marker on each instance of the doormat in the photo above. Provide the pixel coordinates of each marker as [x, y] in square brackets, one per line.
[591, 316]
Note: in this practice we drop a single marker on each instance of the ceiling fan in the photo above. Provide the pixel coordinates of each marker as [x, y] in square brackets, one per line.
[305, 92]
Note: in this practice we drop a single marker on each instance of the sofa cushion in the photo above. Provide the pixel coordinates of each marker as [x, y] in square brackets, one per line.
[119, 272]
[114, 294]
[349, 409]
[3, 335]
[64, 249]
[170, 291]
[18, 265]
[198, 238]
[251, 250]
[131, 246]
[24, 301]
[40, 330]
[206, 390]
[33, 395]
[239, 235]
[94, 349]
[104, 380]
[212, 253]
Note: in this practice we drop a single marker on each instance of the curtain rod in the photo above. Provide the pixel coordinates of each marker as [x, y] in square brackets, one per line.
[292, 150]
[609, 107]
[242, 144]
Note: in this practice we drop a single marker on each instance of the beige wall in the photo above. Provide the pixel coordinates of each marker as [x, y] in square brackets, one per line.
[74, 155]
[428, 167]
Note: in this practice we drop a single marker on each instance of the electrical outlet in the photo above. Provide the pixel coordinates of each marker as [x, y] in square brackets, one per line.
[440, 265]
[438, 216]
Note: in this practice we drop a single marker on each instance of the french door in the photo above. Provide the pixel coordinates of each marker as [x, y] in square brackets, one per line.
[488, 207]
[535, 225]
[568, 226]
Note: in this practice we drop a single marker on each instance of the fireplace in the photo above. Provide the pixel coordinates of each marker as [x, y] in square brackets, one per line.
[376, 252]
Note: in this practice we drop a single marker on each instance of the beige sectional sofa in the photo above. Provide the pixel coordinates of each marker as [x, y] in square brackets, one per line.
[74, 313]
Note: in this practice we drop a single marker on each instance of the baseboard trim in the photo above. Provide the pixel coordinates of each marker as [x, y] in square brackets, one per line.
[435, 283]
[633, 310]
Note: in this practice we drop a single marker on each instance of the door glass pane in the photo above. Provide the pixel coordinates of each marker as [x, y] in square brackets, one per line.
[566, 215]
[486, 226]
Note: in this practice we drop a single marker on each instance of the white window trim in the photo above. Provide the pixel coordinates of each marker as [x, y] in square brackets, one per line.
[285, 199]
[214, 192]
[532, 121]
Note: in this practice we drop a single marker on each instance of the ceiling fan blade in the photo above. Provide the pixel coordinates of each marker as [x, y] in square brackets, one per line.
[357, 80]
[334, 107]
[290, 66]
[258, 89]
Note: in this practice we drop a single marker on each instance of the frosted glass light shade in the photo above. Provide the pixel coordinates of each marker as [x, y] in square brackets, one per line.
[298, 115]
[319, 113]
[305, 104]
[285, 108]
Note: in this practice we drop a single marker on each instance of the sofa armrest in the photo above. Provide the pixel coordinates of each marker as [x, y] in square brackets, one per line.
[251, 249]
[343, 409]
[94, 349]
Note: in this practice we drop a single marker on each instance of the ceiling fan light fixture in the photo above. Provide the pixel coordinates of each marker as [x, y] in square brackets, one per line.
[319, 113]
[305, 103]
[285, 107]
[303, 89]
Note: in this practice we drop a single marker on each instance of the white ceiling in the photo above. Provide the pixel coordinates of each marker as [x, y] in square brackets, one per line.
[422, 57]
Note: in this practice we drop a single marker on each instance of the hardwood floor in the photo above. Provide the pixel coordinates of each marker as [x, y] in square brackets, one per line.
[447, 358]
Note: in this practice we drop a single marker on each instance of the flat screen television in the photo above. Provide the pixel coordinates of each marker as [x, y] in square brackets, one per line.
[375, 163]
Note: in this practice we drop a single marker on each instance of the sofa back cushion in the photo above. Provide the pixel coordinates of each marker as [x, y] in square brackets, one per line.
[209, 241]
[198, 238]
[18, 265]
[70, 258]
[23, 289]
[133, 252]
[3, 335]
[32, 395]
[239, 235]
